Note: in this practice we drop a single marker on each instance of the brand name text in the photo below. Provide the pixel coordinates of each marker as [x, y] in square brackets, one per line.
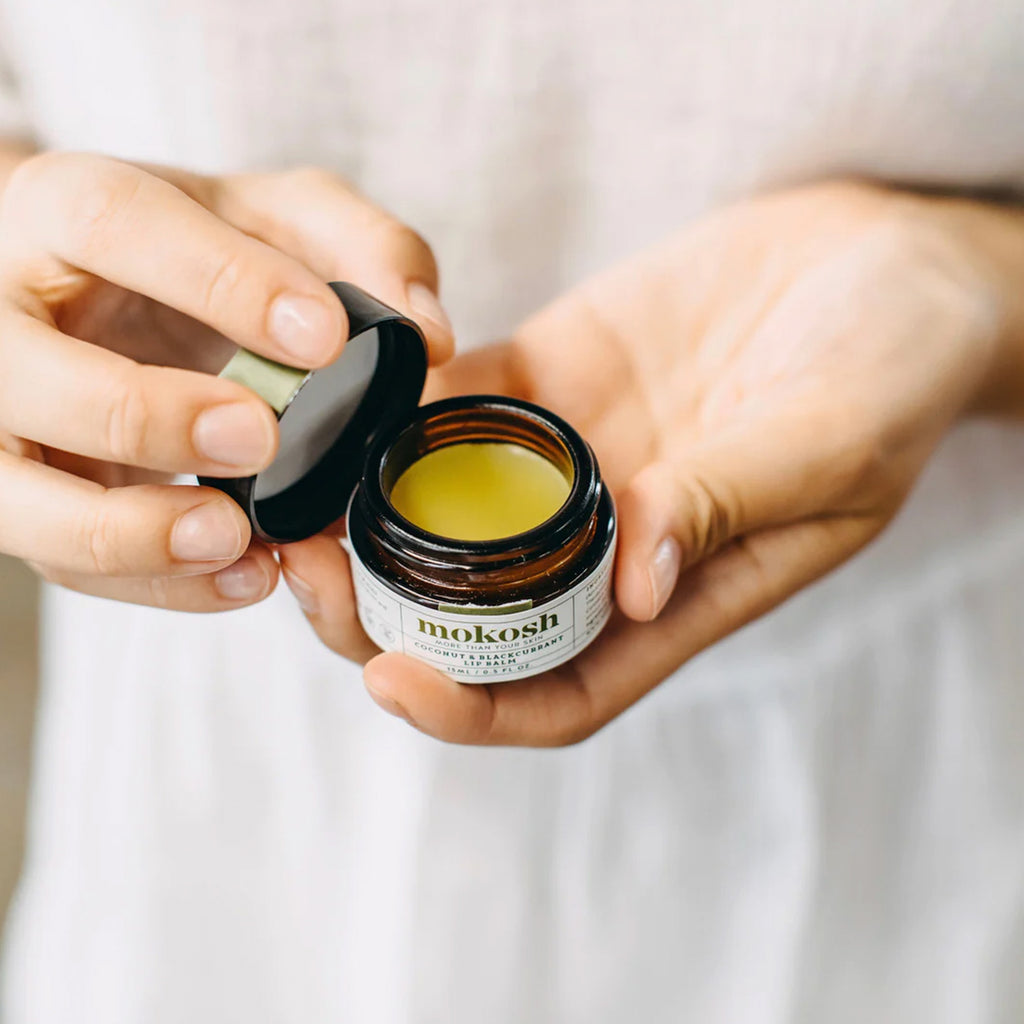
[477, 634]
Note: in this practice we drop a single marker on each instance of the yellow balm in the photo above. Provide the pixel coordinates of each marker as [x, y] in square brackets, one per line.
[480, 490]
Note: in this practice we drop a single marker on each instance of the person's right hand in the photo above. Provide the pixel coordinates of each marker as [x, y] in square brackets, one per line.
[122, 290]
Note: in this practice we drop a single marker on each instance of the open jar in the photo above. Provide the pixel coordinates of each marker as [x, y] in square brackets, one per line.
[480, 532]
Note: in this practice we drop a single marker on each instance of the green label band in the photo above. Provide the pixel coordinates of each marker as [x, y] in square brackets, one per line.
[274, 382]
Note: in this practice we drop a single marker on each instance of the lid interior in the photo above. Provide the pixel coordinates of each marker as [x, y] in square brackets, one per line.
[330, 398]
[328, 425]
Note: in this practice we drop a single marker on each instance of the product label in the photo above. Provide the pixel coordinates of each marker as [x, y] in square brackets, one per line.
[483, 645]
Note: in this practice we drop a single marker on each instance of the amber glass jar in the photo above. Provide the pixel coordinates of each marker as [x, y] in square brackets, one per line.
[483, 610]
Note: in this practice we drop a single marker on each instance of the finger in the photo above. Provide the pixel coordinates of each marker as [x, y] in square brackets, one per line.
[683, 508]
[140, 232]
[491, 370]
[248, 581]
[318, 574]
[741, 582]
[531, 712]
[102, 405]
[75, 525]
[342, 235]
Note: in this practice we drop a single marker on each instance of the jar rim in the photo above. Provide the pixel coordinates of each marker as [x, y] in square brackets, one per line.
[572, 516]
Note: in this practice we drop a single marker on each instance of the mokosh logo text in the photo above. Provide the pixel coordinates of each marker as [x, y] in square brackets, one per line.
[480, 635]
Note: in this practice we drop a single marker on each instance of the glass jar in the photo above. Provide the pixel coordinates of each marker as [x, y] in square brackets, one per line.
[483, 610]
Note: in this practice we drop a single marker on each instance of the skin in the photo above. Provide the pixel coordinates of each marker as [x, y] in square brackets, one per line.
[762, 390]
[123, 289]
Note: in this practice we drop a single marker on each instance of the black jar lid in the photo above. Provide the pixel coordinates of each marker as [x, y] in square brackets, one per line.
[328, 418]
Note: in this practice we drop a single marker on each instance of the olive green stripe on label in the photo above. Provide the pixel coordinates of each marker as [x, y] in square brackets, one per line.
[274, 382]
[491, 609]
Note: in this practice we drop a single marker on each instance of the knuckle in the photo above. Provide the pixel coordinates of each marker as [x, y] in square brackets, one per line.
[89, 194]
[226, 275]
[127, 423]
[160, 592]
[707, 518]
[886, 245]
[100, 542]
[32, 176]
[18, 192]
[97, 202]
[313, 176]
[408, 245]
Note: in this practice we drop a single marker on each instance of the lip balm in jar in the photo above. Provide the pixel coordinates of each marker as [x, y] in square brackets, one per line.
[479, 530]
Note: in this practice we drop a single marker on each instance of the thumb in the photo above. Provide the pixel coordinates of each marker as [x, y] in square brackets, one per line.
[680, 510]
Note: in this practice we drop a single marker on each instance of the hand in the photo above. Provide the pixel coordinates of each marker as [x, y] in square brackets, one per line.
[122, 289]
[762, 391]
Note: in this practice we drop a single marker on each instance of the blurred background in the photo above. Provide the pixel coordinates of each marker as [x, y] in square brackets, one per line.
[18, 685]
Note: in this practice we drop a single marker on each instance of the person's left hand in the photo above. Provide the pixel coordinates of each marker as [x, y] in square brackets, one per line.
[761, 392]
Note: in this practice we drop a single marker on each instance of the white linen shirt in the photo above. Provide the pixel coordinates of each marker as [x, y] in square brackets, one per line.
[819, 821]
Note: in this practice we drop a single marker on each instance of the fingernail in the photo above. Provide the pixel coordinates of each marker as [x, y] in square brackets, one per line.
[206, 533]
[664, 571]
[392, 707]
[303, 592]
[233, 435]
[304, 327]
[425, 305]
[243, 581]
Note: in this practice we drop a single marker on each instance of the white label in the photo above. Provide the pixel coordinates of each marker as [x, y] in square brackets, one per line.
[476, 645]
